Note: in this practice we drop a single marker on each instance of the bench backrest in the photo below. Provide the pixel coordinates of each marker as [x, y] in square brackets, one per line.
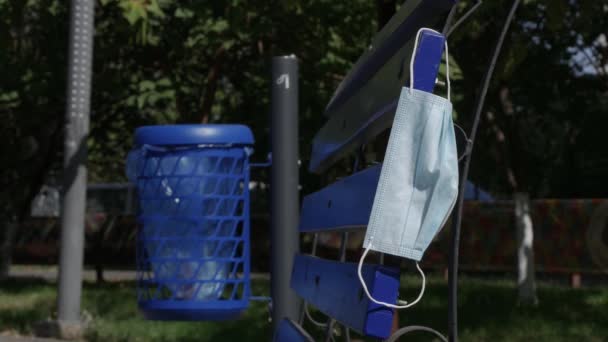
[362, 107]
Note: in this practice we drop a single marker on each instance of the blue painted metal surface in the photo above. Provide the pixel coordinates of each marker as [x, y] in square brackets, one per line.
[474, 192]
[343, 205]
[426, 64]
[362, 107]
[347, 203]
[289, 331]
[172, 135]
[333, 287]
[371, 109]
[193, 239]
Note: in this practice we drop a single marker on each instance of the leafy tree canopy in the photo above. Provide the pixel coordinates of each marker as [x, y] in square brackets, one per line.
[166, 61]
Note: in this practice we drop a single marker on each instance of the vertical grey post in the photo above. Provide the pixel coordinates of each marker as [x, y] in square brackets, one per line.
[284, 186]
[75, 157]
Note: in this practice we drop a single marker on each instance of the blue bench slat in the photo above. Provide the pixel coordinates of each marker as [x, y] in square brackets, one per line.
[391, 38]
[343, 205]
[333, 287]
[371, 109]
[289, 331]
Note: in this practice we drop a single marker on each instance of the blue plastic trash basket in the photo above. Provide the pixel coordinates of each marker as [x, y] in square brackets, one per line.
[193, 237]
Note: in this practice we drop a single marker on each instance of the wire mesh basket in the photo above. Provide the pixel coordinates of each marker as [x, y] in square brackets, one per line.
[193, 238]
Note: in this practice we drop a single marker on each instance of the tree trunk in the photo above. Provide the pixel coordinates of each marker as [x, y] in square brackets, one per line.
[525, 251]
[211, 85]
[7, 241]
[523, 221]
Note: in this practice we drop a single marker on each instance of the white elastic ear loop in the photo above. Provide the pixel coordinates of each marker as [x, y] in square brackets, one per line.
[447, 61]
[405, 304]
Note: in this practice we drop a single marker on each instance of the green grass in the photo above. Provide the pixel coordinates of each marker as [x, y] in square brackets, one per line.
[487, 311]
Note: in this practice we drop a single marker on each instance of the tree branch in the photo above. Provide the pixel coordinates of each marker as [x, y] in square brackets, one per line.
[211, 84]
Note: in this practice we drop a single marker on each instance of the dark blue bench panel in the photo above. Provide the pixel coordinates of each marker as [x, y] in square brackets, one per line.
[393, 36]
[371, 108]
[333, 287]
[343, 205]
[289, 331]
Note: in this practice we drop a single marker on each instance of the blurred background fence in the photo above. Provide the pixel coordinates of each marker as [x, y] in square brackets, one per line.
[571, 235]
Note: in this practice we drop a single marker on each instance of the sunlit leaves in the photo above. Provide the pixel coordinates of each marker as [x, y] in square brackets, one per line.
[139, 13]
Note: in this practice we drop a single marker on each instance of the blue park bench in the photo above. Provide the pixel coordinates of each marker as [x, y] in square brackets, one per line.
[362, 108]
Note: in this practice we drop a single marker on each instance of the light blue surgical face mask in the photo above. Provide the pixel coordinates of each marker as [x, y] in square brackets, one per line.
[418, 183]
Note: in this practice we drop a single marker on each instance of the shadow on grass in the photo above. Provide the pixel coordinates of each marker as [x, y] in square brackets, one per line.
[488, 310]
[116, 318]
[23, 302]
[21, 285]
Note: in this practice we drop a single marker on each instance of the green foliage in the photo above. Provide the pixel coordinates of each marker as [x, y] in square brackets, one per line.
[194, 62]
[167, 61]
[548, 88]
[161, 62]
[32, 65]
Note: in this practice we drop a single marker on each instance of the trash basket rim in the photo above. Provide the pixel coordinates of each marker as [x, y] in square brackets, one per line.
[193, 134]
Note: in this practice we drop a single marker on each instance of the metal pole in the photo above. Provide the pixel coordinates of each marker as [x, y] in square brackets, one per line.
[457, 214]
[75, 157]
[284, 186]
